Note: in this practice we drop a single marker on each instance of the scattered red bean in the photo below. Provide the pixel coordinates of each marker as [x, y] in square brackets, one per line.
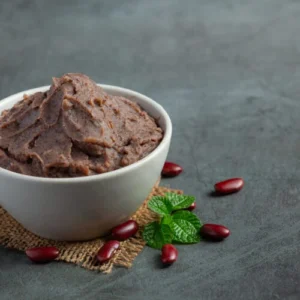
[171, 169]
[168, 254]
[125, 230]
[107, 251]
[42, 254]
[192, 206]
[229, 186]
[214, 232]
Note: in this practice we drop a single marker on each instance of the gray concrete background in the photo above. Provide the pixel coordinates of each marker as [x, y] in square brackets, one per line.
[228, 72]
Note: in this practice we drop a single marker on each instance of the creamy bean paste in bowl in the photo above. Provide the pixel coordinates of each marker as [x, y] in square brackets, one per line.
[75, 129]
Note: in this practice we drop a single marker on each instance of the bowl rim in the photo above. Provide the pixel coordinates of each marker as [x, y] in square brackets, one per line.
[166, 138]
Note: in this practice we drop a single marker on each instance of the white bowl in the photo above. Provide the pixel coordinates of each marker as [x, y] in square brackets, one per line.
[82, 208]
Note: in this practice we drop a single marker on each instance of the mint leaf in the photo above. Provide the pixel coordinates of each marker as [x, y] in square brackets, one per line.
[156, 235]
[160, 205]
[167, 220]
[185, 227]
[179, 201]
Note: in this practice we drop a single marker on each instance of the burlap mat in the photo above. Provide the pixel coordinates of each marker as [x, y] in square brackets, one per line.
[13, 235]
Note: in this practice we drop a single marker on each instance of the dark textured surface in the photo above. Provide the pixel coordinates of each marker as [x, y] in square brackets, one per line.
[228, 72]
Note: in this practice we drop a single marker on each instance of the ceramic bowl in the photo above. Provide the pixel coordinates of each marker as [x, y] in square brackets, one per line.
[83, 208]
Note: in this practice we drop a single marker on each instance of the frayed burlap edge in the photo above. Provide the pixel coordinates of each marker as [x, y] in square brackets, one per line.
[13, 235]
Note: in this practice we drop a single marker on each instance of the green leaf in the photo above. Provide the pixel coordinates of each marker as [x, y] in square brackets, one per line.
[167, 220]
[160, 205]
[156, 235]
[186, 227]
[179, 201]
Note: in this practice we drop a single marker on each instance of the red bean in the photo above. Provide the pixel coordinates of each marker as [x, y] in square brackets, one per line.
[42, 254]
[107, 251]
[171, 169]
[229, 186]
[125, 230]
[169, 254]
[214, 232]
[192, 206]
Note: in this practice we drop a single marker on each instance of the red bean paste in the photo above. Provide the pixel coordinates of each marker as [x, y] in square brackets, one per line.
[75, 129]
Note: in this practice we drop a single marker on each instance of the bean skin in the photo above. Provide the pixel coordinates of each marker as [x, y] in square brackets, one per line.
[229, 186]
[125, 230]
[171, 169]
[169, 254]
[107, 251]
[214, 232]
[42, 254]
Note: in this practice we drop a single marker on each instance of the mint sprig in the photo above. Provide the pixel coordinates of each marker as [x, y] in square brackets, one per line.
[175, 224]
[160, 205]
[179, 201]
[186, 227]
[156, 235]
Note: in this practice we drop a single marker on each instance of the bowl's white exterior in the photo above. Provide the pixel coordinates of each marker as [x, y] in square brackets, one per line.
[83, 208]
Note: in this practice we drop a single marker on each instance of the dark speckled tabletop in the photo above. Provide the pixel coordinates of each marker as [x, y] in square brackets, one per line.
[228, 72]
